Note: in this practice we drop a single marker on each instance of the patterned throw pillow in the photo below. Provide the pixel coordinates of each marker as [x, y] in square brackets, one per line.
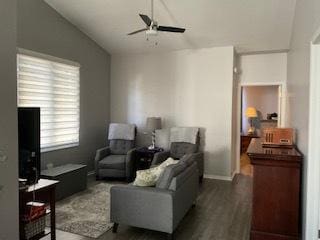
[149, 177]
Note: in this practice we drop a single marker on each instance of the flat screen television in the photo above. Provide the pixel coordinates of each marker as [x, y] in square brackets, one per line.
[29, 144]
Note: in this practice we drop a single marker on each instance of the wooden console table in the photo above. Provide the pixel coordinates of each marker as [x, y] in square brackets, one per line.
[45, 193]
[276, 192]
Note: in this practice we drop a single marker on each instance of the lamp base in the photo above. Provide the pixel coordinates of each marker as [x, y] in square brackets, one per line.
[153, 145]
[251, 131]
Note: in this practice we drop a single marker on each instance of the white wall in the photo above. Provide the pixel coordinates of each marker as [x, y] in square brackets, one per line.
[185, 88]
[263, 98]
[306, 22]
[9, 224]
[263, 68]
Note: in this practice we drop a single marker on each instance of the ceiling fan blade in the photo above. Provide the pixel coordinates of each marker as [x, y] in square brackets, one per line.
[146, 19]
[141, 30]
[171, 29]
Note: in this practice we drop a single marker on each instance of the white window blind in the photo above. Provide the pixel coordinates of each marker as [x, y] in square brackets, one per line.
[55, 88]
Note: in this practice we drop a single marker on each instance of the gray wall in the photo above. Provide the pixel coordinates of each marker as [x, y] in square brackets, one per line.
[307, 20]
[42, 29]
[9, 227]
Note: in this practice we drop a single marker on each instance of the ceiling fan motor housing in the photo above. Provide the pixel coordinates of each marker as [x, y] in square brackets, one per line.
[152, 32]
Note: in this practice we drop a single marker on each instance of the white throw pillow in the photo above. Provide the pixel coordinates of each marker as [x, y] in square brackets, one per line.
[149, 177]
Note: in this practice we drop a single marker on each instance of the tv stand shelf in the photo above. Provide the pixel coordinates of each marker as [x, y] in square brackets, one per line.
[41, 235]
[45, 193]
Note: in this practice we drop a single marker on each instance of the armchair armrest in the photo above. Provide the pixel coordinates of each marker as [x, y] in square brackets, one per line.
[160, 157]
[146, 207]
[130, 163]
[100, 154]
[199, 159]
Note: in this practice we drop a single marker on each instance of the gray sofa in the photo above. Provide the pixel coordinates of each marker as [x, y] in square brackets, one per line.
[178, 150]
[159, 208]
[116, 160]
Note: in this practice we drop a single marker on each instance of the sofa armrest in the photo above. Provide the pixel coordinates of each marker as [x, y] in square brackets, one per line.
[160, 157]
[100, 154]
[130, 163]
[145, 207]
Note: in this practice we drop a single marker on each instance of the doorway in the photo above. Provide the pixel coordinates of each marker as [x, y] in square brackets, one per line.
[260, 108]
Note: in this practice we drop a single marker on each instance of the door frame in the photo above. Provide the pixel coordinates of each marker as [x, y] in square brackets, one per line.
[281, 110]
[313, 165]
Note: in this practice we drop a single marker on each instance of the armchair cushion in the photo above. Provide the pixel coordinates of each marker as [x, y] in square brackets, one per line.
[120, 147]
[113, 162]
[178, 149]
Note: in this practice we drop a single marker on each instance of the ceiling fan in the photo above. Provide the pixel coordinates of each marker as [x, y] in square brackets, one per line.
[152, 26]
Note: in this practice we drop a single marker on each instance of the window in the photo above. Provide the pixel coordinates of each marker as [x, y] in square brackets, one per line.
[53, 85]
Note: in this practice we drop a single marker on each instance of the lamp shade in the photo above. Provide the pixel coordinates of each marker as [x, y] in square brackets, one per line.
[153, 123]
[251, 112]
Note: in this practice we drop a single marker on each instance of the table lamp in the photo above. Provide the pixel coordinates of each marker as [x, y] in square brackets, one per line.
[153, 123]
[251, 113]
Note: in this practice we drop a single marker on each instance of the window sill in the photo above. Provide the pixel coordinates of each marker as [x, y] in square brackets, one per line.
[55, 148]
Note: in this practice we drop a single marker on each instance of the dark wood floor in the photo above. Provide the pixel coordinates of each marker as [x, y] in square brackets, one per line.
[223, 212]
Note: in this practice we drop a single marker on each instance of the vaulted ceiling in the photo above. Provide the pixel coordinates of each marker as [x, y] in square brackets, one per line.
[249, 25]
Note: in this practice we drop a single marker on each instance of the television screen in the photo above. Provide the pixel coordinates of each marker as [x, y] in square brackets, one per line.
[29, 144]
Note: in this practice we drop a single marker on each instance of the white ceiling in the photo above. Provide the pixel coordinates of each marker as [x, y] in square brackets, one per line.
[249, 25]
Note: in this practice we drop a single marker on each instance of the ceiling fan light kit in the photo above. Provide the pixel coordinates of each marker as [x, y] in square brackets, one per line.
[152, 26]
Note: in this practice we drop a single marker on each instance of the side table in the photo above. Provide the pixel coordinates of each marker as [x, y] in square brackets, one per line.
[44, 192]
[245, 141]
[144, 157]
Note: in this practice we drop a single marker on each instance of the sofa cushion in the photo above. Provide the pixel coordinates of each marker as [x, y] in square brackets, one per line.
[178, 149]
[120, 147]
[113, 162]
[169, 173]
[149, 177]
[178, 181]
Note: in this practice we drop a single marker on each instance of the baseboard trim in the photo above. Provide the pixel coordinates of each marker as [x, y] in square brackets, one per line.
[218, 177]
[91, 173]
[234, 174]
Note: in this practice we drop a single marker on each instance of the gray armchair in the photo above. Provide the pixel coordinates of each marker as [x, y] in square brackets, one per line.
[116, 160]
[178, 150]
